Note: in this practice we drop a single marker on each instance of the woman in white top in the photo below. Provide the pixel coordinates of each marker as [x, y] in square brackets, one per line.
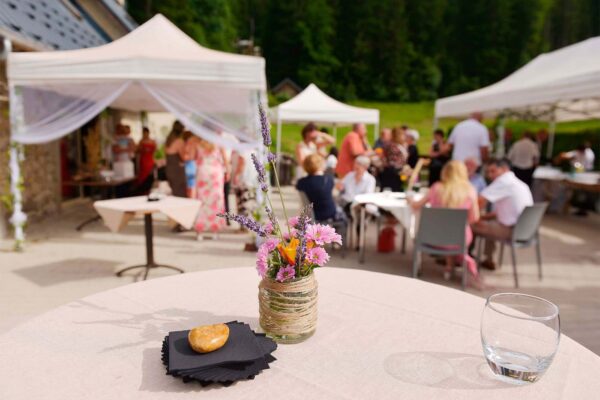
[312, 141]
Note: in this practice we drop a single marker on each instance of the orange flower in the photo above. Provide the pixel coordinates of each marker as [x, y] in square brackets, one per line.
[289, 252]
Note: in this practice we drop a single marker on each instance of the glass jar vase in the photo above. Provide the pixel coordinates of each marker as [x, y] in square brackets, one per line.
[288, 310]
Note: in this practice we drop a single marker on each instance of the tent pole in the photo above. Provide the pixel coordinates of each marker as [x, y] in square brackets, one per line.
[500, 142]
[335, 133]
[278, 151]
[435, 123]
[551, 134]
[376, 134]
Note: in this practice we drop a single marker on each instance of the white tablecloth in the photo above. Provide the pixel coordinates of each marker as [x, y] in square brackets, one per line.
[378, 337]
[117, 212]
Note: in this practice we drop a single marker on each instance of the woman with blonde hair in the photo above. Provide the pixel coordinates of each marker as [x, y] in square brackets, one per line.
[210, 174]
[395, 155]
[455, 191]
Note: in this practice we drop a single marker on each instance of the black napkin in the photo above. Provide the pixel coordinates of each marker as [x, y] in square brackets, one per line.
[243, 356]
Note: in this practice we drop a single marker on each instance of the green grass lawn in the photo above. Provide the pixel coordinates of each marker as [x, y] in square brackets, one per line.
[419, 116]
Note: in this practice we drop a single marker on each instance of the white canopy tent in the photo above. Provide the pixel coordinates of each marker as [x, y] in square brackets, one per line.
[313, 105]
[156, 67]
[563, 85]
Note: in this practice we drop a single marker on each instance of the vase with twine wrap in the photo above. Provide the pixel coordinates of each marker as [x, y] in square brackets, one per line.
[288, 310]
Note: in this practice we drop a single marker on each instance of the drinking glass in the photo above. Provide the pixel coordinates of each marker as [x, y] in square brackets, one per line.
[520, 335]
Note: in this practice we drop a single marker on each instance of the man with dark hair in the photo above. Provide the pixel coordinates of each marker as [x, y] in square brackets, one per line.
[354, 145]
[509, 196]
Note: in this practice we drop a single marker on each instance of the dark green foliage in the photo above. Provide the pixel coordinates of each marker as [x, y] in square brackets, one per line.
[400, 50]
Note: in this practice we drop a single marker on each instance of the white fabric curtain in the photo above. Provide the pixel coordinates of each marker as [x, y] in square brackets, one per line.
[48, 112]
[207, 110]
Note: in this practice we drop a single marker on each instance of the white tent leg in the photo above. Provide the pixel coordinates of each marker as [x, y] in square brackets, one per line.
[376, 133]
[500, 142]
[278, 151]
[551, 134]
[335, 133]
[18, 217]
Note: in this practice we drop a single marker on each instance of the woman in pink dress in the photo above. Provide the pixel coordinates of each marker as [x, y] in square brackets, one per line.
[455, 191]
[210, 172]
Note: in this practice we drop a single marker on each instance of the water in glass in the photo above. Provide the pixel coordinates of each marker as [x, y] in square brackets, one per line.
[520, 335]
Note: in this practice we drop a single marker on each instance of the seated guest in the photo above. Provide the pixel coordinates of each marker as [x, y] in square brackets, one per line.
[455, 191]
[318, 187]
[475, 177]
[509, 196]
[313, 142]
[359, 181]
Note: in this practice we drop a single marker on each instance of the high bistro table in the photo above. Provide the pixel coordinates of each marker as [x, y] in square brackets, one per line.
[378, 336]
[116, 214]
[106, 187]
[393, 202]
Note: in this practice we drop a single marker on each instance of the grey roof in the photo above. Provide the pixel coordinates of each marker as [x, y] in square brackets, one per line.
[121, 14]
[49, 22]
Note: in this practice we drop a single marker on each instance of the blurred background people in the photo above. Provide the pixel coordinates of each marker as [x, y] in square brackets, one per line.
[175, 154]
[313, 142]
[243, 180]
[145, 150]
[210, 176]
[439, 154]
[470, 139]
[318, 188]
[476, 179]
[455, 191]
[524, 156]
[582, 158]
[331, 161]
[190, 155]
[412, 136]
[384, 138]
[395, 155]
[354, 144]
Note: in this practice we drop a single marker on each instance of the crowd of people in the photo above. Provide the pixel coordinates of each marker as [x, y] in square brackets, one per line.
[462, 174]
[194, 168]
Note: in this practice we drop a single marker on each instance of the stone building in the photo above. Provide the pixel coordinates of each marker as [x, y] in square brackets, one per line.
[46, 25]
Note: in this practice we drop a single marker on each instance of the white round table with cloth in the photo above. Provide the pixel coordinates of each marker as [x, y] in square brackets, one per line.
[378, 337]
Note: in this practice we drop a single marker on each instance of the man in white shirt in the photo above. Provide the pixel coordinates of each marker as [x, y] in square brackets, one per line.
[524, 155]
[509, 196]
[583, 155]
[470, 139]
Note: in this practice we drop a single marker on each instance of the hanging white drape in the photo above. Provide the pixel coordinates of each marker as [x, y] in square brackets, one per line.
[48, 112]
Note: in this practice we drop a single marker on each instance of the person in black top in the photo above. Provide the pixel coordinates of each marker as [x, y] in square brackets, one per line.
[318, 188]
[413, 151]
[439, 154]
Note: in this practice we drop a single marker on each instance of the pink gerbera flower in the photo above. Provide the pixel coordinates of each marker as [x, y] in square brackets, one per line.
[322, 234]
[293, 221]
[286, 274]
[317, 255]
[262, 256]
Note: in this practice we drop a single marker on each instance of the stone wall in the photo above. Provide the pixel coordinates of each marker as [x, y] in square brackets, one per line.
[41, 173]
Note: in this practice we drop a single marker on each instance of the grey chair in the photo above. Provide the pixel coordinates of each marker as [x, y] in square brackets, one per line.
[441, 232]
[340, 226]
[525, 234]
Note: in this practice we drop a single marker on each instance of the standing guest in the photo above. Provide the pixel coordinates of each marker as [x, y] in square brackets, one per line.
[145, 149]
[524, 156]
[210, 174]
[384, 138]
[313, 142]
[455, 191]
[124, 146]
[243, 179]
[470, 138]
[395, 155]
[318, 188]
[331, 161]
[476, 179]
[439, 156]
[191, 153]
[175, 151]
[412, 136]
[354, 145]
[509, 196]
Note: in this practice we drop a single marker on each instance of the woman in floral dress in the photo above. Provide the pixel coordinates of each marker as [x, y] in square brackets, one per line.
[209, 187]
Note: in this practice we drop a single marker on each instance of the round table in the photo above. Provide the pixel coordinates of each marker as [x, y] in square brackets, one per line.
[378, 337]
